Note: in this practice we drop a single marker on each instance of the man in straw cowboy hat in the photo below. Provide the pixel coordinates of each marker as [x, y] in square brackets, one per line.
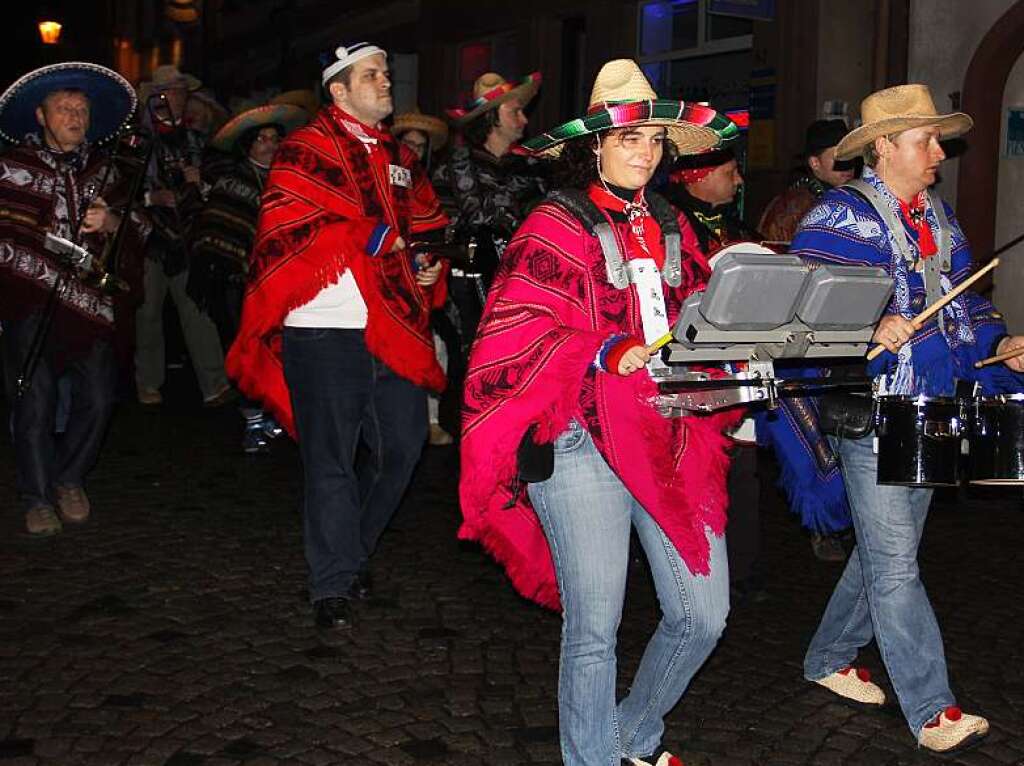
[558, 396]
[57, 181]
[222, 237]
[486, 186]
[335, 337]
[174, 194]
[890, 219]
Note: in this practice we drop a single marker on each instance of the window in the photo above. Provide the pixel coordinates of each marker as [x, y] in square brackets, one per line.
[691, 54]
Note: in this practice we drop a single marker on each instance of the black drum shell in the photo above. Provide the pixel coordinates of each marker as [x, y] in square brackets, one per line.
[918, 441]
[997, 440]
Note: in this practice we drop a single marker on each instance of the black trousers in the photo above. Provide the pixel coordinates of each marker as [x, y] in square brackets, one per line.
[45, 460]
[743, 533]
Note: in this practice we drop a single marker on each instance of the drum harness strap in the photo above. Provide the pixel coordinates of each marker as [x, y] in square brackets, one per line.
[933, 267]
[578, 204]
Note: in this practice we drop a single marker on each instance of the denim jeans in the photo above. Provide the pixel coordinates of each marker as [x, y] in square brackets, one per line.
[880, 593]
[587, 513]
[340, 393]
[43, 459]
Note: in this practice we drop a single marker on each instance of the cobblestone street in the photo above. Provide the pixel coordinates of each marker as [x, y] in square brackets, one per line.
[173, 629]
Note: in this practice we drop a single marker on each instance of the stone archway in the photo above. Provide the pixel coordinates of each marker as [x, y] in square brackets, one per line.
[984, 83]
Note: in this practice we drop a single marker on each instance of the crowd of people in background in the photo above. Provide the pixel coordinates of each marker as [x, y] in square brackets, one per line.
[355, 278]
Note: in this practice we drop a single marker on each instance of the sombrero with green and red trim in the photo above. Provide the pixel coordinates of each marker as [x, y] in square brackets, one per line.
[492, 90]
[622, 97]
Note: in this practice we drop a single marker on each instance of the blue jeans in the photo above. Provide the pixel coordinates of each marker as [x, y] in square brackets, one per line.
[341, 393]
[880, 593]
[586, 513]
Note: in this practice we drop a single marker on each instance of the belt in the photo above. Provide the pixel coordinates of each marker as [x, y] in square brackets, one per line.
[465, 274]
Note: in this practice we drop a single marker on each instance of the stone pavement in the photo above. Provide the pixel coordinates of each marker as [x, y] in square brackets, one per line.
[173, 629]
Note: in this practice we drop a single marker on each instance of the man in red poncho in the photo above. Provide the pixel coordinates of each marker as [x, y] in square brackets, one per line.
[335, 337]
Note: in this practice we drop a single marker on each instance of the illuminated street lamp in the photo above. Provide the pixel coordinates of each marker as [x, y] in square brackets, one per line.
[49, 31]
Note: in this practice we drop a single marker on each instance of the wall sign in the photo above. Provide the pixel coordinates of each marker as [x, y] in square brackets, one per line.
[1015, 131]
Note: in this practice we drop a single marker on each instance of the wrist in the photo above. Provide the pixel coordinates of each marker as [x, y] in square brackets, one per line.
[996, 347]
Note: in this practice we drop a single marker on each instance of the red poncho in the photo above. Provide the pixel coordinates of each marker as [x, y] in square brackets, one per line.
[549, 311]
[327, 194]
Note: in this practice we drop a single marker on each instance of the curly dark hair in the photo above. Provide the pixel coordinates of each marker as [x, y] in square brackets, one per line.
[478, 129]
[576, 166]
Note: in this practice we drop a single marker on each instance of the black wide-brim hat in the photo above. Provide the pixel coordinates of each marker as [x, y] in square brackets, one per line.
[112, 99]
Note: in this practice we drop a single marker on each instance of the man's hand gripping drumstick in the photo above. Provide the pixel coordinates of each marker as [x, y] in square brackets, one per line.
[894, 331]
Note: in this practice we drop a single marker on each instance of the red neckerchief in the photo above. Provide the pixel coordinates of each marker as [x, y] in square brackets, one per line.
[644, 239]
[913, 214]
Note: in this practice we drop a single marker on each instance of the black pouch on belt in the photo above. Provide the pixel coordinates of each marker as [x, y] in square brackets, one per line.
[534, 462]
[845, 414]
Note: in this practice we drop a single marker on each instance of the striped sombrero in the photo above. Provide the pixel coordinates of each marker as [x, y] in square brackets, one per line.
[492, 90]
[622, 97]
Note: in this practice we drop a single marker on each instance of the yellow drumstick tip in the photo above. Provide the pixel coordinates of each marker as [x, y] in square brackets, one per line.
[664, 340]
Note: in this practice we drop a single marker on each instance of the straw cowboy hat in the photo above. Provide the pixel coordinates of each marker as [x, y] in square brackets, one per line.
[434, 128]
[166, 77]
[491, 91]
[111, 97]
[897, 109]
[287, 116]
[622, 97]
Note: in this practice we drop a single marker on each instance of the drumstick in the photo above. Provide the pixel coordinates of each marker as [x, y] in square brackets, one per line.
[1000, 357]
[923, 317]
[664, 340]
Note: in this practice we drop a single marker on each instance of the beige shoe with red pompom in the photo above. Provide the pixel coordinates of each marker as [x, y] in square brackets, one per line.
[952, 730]
[854, 684]
[666, 759]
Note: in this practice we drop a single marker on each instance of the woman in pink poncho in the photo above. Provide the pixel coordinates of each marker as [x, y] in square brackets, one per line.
[594, 274]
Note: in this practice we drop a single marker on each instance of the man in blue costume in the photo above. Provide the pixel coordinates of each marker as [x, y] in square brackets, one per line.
[890, 219]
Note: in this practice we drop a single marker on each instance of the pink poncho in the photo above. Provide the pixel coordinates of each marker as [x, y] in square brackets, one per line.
[547, 315]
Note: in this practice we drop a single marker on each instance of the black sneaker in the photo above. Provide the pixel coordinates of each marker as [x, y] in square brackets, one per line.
[333, 614]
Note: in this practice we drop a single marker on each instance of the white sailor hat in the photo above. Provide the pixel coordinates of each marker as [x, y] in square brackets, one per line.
[346, 55]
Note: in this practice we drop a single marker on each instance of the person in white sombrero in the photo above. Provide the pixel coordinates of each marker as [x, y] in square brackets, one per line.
[222, 238]
[563, 452]
[891, 219]
[423, 133]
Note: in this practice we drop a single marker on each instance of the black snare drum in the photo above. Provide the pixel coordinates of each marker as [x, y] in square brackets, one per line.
[918, 440]
[997, 440]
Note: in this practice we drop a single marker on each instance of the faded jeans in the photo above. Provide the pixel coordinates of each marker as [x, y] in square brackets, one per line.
[587, 513]
[880, 593]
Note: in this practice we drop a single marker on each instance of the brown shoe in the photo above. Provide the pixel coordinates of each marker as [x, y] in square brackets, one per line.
[952, 730]
[73, 504]
[438, 436]
[150, 396]
[222, 397]
[42, 521]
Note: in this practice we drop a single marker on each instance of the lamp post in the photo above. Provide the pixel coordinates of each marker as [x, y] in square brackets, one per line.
[49, 32]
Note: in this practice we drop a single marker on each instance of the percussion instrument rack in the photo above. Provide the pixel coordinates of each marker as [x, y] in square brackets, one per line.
[758, 310]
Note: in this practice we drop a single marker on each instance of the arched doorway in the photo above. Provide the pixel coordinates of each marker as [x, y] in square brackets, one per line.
[984, 83]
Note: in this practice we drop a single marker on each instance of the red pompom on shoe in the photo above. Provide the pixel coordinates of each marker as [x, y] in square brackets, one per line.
[953, 714]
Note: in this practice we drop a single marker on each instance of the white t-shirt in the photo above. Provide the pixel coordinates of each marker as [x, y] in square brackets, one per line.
[339, 306]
